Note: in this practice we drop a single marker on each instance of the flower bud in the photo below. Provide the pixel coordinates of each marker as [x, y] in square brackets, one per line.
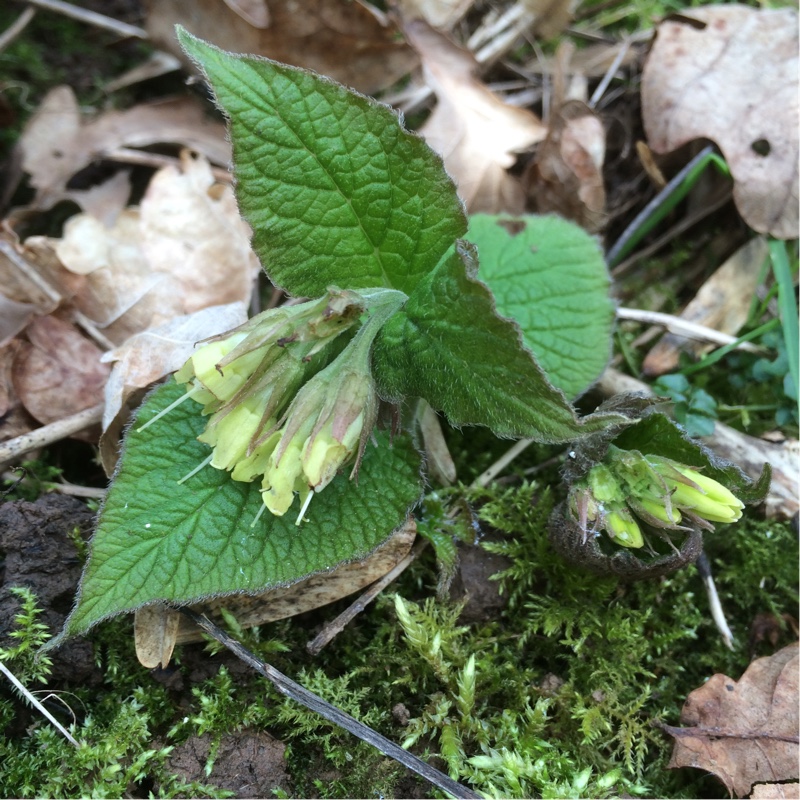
[623, 529]
[697, 493]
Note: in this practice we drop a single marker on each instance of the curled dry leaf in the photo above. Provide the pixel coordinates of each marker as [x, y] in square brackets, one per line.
[474, 131]
[14, 421]
[732, 78]
[58, 371]
[722, 303]
[441, 14]
[567, 174]
[184, 249]
[345, 41]
[57, 143]
[150, 355]
[745, 731]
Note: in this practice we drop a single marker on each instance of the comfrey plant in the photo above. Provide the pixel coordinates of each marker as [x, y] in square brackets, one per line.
[354, 212]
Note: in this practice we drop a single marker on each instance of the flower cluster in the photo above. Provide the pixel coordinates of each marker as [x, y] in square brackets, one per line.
[628, 488]
[285, 401]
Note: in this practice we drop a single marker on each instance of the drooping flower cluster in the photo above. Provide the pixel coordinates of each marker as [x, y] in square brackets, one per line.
[286, 401]
[628, 488]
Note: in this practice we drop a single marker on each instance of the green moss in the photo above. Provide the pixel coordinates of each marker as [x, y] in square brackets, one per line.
[115, 728]
[554, 699]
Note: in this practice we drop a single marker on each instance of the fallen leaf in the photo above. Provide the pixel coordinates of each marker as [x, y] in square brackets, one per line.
[743, 732]
[474, 131]
[116, 272]
[58, 371]
[57, 143]
[566, 175]
[14, 420]
[191, 229]
[312, 592]
[14, 317]
[440, 14]
[776, 791]
[343, 40]
[722, 303]
[732, 78]
[184, 249]
[148, 356]
[155, 631]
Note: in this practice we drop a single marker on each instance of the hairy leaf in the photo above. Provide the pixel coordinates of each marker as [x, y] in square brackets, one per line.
[158, 540]
[449, 346]
[336, 191]
[549, 276]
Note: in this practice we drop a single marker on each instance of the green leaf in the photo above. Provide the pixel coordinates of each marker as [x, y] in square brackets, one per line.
[449, 346]
[549, 276]
[336, 191]
[157, 540]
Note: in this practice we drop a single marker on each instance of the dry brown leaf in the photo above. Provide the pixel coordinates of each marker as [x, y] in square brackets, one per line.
[312, 592]
[743, 732]
[148, 356]
[14, 421]
[117, 276]
[733, 78]
[155, 631]
[343, 40]
[58, 372]
[191, 230]
[441, 14]
[57, 143]
[776, 791]
[184, 249]
[722, 303]
[474, 131]
[14, 317]
[566, 175]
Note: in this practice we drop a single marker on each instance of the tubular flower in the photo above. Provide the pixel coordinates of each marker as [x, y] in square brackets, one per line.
[326, 426]
[696, 493]
[279, 405]
[662, 493]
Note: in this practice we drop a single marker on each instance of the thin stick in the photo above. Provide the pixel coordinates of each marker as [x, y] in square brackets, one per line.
[48, 434]
[16, 27]
[609, 76]
[682, 327]
[490, 474]
[91, 18]
[300, 694]
[127, 155]
[717, 614]
[337, 625]
[36, 704]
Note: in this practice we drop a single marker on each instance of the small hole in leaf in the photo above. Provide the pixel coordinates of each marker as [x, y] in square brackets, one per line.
[761, 147]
